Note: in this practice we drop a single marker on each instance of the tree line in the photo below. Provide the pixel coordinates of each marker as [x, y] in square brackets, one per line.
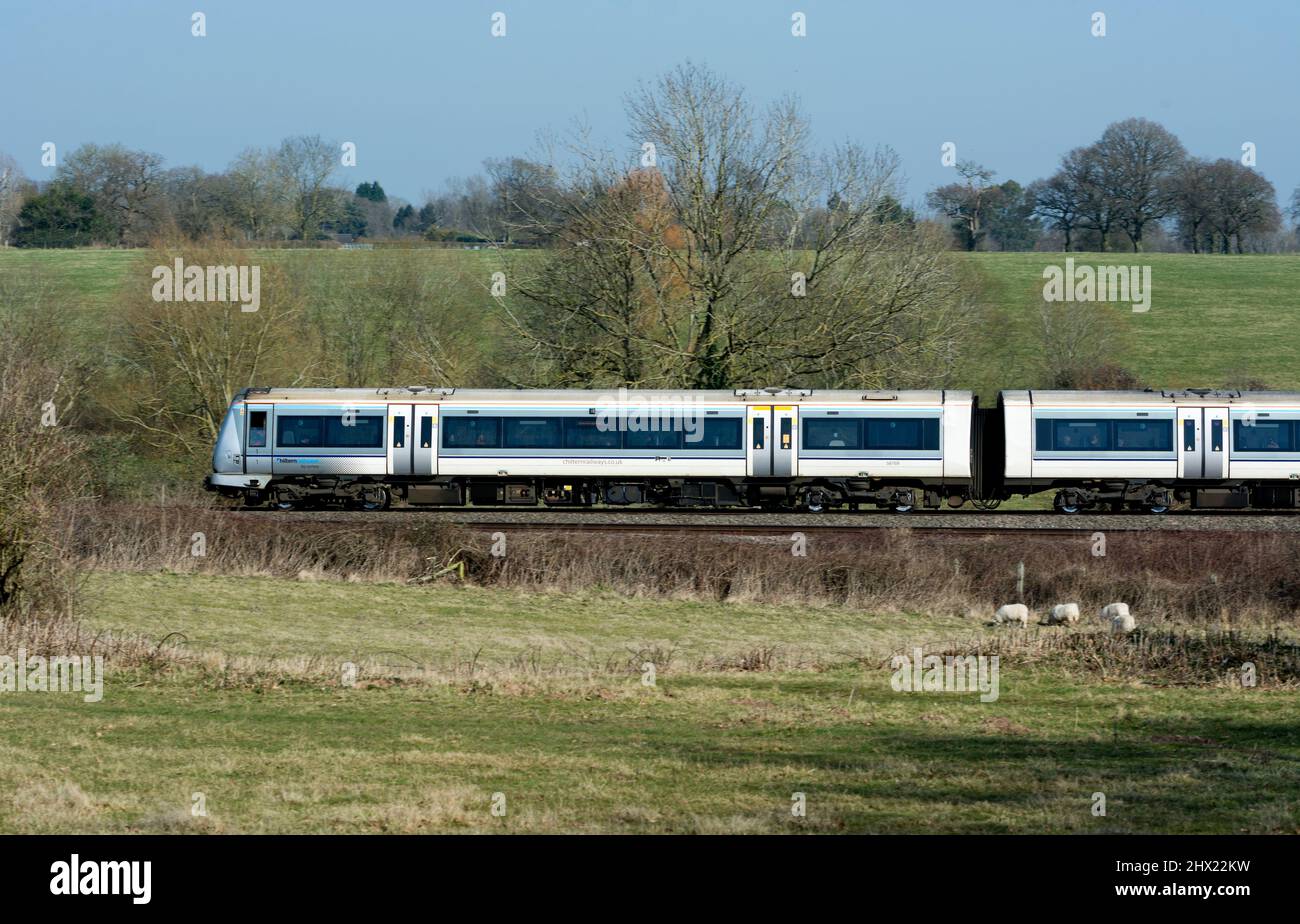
[1135, 188]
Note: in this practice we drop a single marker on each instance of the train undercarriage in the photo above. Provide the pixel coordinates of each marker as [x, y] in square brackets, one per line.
[811, 495]
[790, 494]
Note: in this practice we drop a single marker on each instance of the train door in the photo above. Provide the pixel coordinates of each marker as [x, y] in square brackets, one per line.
[1203, 442]
[1190, 461]
[770, 441]
[1214, 426]
[784, 422]
[400, 444]
[425, 432]
[258, 429]
[758, 445]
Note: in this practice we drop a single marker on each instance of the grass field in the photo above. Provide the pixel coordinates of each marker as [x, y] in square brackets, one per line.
[1214, 320]
[540, 698]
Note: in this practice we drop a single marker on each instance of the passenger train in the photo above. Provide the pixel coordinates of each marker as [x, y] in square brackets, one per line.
[769, 448]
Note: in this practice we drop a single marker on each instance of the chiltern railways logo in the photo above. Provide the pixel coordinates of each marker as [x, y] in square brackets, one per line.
[103, 877]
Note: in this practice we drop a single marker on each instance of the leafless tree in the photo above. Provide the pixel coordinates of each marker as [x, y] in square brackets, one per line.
[11, 182]
[1194, 203]
[1244, 202]
[1058, 202]
[43, 383]
[966, 203]
[258, 193]
[737, 257]
[308, 163]
[179, 363]
[123, 183]
[1140, 159]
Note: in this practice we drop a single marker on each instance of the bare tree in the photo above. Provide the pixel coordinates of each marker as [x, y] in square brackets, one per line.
[1244, 202]
[1140, 159]
[122, 182]
[967, 202]
[1057, 201]
[258, 193]
[43, 381]
[11, 182]
[308, 164]
[738, 258]
[1089, 174]
[179, 363]
[1194, 203]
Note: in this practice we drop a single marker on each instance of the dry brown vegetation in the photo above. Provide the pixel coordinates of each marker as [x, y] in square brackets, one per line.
[1178, 577]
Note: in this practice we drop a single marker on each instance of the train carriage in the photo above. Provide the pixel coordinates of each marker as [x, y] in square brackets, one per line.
[1144, 450]
[765, 447]
[772, 448]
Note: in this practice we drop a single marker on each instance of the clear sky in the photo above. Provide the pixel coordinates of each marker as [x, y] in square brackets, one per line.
[427, 93]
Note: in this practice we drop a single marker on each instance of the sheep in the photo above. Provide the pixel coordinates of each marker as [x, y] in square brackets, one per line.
[1012, 614]
[1122, 624]
[1111, 610]
[1063, 614]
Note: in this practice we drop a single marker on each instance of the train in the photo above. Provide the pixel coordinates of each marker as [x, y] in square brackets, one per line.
[770, 448]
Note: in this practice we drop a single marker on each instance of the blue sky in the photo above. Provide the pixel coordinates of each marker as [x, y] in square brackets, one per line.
[427, 93]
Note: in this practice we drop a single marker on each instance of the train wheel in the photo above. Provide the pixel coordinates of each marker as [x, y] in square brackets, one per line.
[1156, 508]
[284, 505]
[1065, 504]
[375, 498]
[901, 508]
[814, 501]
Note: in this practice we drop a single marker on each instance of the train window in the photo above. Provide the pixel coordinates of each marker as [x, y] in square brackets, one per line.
[716, 433]
[426, 432]
[759, 423]
[787, 426]
[471, 433]
[1084, 435]
[821, 433]
[1264, 436]
[399, 432]
[586, 433]
[901, 433]
[298, 431]
[652, 439]
[321, 431]
[533, 433]
[1216, 436]
[355, 432]
[257, 430]
[1189, 436]
[1144, 435]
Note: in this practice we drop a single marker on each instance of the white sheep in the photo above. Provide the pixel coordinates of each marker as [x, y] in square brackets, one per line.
[1063, 614]
[1111, 610]
[1122, 624]
[1012, 613]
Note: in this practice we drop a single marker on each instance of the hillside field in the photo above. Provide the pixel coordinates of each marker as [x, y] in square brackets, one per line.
[1215, 320]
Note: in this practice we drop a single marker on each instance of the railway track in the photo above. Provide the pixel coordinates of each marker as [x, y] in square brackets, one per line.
[656, 521]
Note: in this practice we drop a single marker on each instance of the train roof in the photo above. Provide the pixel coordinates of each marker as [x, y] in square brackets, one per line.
[596, 397]
[1151, 397]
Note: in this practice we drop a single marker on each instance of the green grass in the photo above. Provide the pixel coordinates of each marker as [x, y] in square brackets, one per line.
[1214, 320]
[701, 751]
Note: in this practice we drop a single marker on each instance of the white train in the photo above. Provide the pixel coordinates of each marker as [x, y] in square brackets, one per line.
[775, 448]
